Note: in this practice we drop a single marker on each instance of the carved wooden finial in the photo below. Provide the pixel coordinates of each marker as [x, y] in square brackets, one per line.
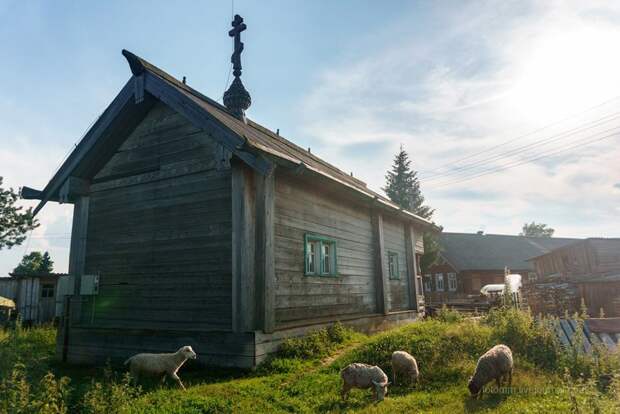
[237, 99]
[135, 64]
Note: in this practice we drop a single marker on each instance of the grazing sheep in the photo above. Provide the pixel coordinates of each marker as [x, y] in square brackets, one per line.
[364, 376]
[160, 364]
[493, 365]
[404, 363]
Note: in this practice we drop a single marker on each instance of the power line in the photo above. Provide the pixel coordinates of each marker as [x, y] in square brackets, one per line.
[524, 148]
[518, 163]
[521, 136]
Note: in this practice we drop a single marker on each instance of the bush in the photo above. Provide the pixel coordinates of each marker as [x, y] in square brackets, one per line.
[446, 314]
[534, 340]
[315, 345]
[33, 347]
[51, 396]
[110, 395]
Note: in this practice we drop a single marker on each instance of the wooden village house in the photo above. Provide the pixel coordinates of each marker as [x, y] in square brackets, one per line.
[586, 269]
[194, 225]
[38, 297]
[470, 261]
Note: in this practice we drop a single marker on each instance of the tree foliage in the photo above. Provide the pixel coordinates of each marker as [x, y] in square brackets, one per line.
[35, 262]
[534, 229]
[14, 221]
[403, 188]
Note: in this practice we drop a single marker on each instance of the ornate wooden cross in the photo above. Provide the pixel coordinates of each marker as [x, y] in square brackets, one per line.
[238, 27]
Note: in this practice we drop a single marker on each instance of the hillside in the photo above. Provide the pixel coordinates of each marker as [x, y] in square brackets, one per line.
[304, 377]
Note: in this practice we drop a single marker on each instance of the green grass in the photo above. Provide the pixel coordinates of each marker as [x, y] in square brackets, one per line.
[304, 376]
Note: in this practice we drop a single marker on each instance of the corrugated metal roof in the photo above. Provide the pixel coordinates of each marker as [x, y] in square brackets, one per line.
[471, 251]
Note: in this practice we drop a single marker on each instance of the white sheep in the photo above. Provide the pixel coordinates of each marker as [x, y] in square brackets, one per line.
[404, 363]
[495, 364]
[160, 364]
[364, 376]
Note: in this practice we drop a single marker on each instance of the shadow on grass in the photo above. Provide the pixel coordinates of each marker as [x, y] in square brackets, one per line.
[351, 404]
[191, 374]
[485, 402]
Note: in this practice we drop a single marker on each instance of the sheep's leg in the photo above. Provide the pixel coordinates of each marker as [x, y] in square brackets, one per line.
[345, 391]
[374, 393]
[498, 381]
[510, 378]
[394, 376]
[177, 379]
[135, 375]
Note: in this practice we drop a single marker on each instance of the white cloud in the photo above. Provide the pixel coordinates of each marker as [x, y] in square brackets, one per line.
[501, 74]
[24, 163]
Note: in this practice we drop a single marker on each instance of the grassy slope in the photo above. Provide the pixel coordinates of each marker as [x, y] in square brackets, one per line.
[446, 353]
[449, 351]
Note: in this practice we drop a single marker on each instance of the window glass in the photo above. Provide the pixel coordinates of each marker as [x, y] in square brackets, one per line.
[393, 265]
[452, 282]
[47, 291]
[320, 256]
[439, 282]
[311, 259]
[428, 283]
[327, 258]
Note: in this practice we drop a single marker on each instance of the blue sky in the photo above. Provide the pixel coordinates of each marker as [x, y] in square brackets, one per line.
[353, 80]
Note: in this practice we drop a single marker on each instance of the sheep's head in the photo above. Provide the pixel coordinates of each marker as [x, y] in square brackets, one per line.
[473, 386]
[381, 388]
[187, 352]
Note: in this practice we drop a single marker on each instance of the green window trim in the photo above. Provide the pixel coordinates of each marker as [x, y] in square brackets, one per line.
[393, 268]
[320, 242]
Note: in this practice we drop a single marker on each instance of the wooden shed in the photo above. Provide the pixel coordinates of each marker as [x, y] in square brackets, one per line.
[38, 297]
[194, 225]
[588, 269]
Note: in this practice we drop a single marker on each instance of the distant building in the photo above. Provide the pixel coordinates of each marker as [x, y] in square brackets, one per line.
[38, 297]
[470, 261]
[588, 269]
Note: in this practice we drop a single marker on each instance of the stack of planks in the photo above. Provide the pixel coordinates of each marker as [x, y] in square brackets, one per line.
[596, 331]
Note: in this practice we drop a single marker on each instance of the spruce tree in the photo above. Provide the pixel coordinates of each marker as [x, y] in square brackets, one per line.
[403, 188]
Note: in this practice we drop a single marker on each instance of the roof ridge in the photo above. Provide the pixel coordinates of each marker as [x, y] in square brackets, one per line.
[139, 64]
[288, 142]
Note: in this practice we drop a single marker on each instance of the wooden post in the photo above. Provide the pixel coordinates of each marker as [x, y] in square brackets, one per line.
[265, 266]
[411, 266]
[77, 262]
[416, 278]
[243, 238]
[381, 280]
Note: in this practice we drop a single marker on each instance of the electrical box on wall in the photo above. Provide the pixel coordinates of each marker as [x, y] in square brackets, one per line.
[89, 285]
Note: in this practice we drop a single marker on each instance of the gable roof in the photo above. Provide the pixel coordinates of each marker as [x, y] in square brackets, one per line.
[467, 251]
[256, 145]
[595, 242]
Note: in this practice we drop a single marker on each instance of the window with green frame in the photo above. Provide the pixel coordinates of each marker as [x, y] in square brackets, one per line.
[393, 265]
[320, 256]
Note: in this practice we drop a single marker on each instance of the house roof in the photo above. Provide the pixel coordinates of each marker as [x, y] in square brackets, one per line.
[39, 275]
[253, 143]
[595, 241]
[467, 251]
